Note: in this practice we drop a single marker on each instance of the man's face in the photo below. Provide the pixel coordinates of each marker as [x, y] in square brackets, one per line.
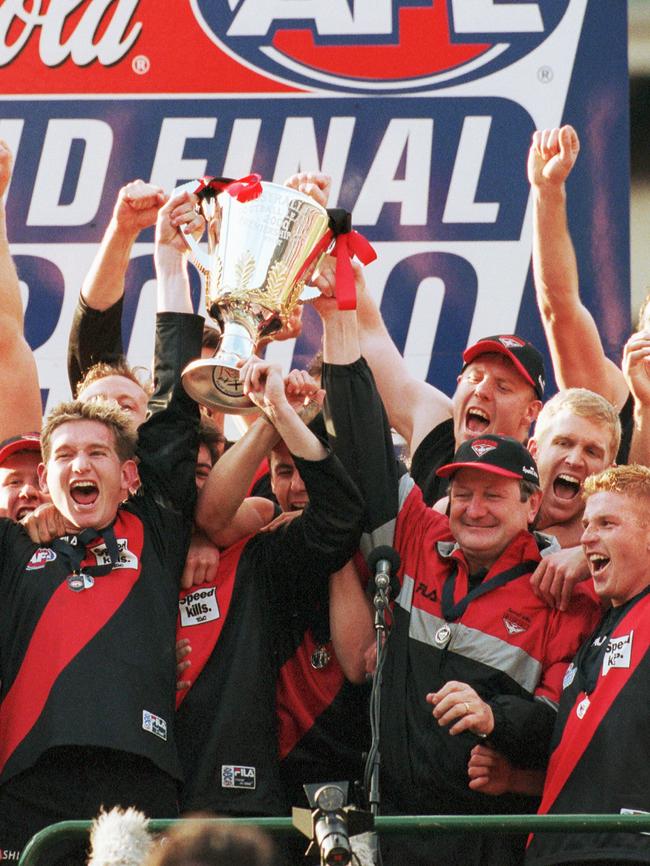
[568, 450]
[203, 466]
[486, 513]
[20, 493]
[616, 542]
[286, 482]
[127, 394]
[84, 476]
[492, 397]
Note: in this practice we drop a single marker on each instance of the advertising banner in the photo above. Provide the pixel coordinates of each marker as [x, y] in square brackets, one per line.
[422, 113]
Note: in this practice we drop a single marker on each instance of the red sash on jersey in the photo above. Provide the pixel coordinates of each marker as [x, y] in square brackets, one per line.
[577, 733]
[203, 637]
[68, 623]
[303, 693]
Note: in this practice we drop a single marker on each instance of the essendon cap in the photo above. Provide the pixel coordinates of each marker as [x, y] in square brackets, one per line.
[527, 360]
[26, 442]
[501, 455]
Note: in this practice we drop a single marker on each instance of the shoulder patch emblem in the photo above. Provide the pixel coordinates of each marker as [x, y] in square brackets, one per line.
[40, 558]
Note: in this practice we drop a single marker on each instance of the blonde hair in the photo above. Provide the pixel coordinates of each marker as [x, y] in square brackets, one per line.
[103, 411]
[632, 480]
[585, 404]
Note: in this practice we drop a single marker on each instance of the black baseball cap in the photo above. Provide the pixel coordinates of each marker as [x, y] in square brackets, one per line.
[26, 442]
[527, 359]
[501, 455]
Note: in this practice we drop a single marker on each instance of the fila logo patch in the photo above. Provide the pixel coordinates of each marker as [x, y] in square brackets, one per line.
[482, 446]
[153, 724]
[199, 607]
[40, 558]
[126, 558]
[618, 652]
[233, 776]
[511, 342]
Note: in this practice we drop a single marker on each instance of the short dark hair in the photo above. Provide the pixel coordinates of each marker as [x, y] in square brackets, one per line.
[213, 440]
[526, 489]
[205, 843]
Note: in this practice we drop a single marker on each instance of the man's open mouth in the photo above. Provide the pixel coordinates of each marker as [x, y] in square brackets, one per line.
[84, 492]
[476, 420]
[598, 562]
[566, 486]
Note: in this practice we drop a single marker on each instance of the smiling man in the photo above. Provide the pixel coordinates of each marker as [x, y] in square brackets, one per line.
[601, 757]
[473, 653]
[20, 492]
[87, 636]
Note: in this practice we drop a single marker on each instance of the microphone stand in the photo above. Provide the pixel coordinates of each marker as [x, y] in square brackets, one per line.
[373, 761]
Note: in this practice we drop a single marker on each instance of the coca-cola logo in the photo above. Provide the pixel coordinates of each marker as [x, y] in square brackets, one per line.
[104, 30]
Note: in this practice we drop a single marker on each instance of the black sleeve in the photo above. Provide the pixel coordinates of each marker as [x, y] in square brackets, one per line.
[522, 730]
[168, 440]
[94, 336]
[326, 535]
[436, 449]
[626, 417]
[360, 435]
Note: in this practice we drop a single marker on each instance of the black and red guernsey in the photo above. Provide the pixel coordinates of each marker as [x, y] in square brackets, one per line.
[241, 629]
[601, 756]
[95, 667]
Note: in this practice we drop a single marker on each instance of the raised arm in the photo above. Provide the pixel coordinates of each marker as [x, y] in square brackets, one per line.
[414, 407]
[357, 424]
[579, 360]
[223, 511]
[636, 367]
[20, 397]
[168, 440]
[136, 209]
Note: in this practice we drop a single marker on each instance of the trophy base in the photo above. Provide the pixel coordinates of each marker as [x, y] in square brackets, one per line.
[214, 384]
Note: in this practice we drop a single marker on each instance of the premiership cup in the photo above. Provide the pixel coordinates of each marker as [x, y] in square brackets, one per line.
[264, 242]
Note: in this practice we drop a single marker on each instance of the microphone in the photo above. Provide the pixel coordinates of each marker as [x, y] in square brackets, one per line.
[384, 561]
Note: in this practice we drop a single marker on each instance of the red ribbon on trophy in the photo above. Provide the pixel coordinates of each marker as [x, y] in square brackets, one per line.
[348, 243]
[244, 189]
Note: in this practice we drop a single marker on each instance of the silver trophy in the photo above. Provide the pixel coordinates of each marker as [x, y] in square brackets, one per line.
[260, 253]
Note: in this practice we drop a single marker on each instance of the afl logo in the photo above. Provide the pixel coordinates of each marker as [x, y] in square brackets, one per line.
[387, 46]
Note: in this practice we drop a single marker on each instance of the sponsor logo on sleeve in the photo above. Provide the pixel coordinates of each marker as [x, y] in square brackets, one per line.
[234, 776]
[199, 607]
[40, 558]
[154, 724]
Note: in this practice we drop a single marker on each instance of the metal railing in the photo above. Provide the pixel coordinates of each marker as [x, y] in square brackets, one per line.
[67, 830]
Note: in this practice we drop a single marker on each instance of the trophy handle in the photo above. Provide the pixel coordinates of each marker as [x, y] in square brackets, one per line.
[199, 257]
